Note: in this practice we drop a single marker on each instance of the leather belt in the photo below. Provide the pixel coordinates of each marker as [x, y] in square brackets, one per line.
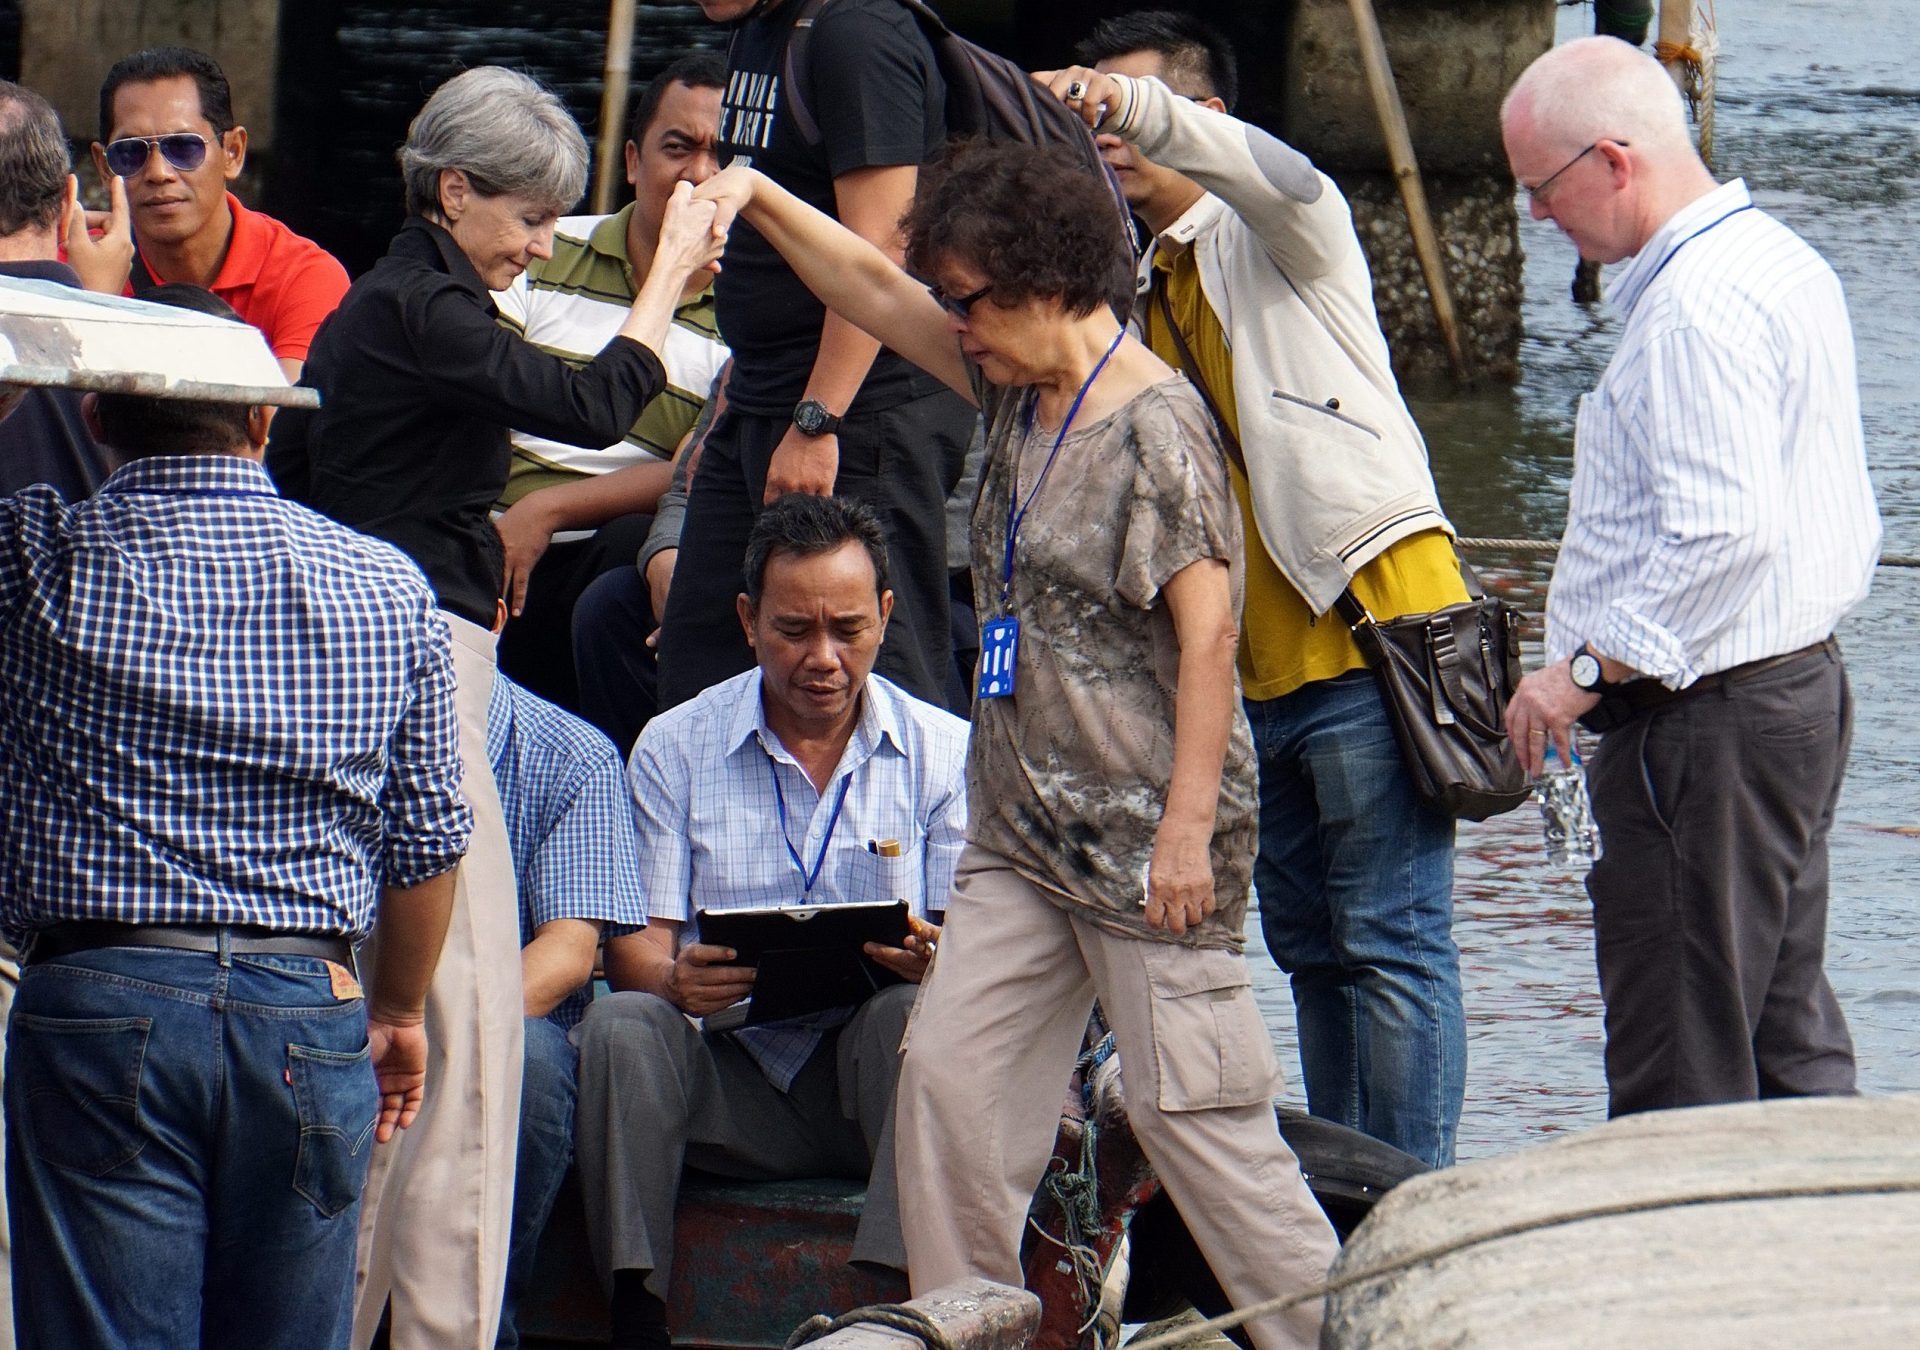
[1638, 696]
[86, 935]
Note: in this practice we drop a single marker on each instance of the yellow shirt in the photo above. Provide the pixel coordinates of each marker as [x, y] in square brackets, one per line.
[1282, 644]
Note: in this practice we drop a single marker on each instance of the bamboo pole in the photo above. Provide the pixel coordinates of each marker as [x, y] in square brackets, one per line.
[1406, 172]
[1675, 39]
[609, 161]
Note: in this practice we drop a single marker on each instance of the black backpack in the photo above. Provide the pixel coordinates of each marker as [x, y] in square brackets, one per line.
[987, 96]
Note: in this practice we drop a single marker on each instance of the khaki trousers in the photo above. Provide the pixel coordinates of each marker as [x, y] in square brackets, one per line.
[989, 1052]
[438, 1212]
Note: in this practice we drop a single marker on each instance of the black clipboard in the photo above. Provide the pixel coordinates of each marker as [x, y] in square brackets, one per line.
[808, 958]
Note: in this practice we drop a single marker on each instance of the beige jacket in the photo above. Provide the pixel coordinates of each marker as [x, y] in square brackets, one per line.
[1337, 467]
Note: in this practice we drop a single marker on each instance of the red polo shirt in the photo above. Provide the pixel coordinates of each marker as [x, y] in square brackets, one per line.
[278, 281]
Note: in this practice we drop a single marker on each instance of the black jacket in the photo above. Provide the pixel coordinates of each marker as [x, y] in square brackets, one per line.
[419, 385]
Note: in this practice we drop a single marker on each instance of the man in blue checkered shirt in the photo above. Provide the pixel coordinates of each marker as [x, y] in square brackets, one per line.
[227, 752]
[806, 781]
[570, 828]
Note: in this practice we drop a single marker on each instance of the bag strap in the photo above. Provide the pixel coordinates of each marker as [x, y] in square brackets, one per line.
[1191, 369]
[140, 280]
[1348, 605]
[793, 63]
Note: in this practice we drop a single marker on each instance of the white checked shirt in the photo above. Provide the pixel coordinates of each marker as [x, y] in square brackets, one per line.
[703, 777]
[1721, 511]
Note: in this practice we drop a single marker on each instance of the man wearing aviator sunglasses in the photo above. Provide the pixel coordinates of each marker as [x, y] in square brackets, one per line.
[168, 133]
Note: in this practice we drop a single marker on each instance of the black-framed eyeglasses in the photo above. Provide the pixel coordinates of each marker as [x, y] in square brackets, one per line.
[1534, 192]
[184, 150]
[960, 306]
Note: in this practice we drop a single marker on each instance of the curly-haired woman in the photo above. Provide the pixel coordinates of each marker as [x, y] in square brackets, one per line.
[1110, 778]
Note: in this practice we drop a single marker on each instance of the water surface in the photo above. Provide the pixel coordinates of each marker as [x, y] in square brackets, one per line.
[1819, 110]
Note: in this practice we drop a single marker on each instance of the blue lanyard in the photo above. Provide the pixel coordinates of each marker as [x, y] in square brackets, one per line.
[1713, 224]
[1016, 518]
[833, 822]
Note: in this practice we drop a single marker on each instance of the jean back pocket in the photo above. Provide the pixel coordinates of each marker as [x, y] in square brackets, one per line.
[337, 1101]
[78, 1080]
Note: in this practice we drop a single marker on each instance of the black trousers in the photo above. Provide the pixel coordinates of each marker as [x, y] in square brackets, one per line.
[536, 647]
[902, 461]
[1710, 898]
[611, 623]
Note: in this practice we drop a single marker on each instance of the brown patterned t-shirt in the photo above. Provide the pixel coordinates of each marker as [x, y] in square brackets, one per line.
[1067, 778]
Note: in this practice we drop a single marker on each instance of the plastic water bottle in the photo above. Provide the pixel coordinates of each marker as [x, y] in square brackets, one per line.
[1573, 842]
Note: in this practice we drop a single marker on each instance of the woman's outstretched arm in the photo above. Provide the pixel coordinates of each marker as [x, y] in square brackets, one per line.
[853, 278]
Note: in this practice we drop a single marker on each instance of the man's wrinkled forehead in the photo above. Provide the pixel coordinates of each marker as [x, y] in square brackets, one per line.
[690, 111]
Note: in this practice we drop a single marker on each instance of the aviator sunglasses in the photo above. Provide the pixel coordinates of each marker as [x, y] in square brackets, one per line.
[184, 150]
[960, 306]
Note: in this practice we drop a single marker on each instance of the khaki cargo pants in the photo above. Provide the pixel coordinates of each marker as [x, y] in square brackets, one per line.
[989, 1053]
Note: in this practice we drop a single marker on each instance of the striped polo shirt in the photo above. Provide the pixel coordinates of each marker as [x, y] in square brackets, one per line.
[571, 305]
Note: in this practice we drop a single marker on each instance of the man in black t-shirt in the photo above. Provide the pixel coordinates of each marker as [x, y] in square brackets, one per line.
[813, 404]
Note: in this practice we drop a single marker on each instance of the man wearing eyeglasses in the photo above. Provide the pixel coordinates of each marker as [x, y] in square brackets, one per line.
[1721, 524]
[168, 131]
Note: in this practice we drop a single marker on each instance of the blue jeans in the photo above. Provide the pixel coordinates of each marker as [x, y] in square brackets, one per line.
[547, 1095]
[1355, 879]
[187, 1140]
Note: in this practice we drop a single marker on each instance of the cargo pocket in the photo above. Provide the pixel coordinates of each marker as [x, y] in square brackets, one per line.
[80, 1081]
[1210, 1045]
[337, 1101]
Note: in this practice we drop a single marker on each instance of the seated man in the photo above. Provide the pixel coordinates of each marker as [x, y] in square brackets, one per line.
[569, 515]
[772, 788]
[571, 833]
[167, 130]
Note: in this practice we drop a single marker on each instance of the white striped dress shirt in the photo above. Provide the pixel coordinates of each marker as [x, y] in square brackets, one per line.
[1721, 511]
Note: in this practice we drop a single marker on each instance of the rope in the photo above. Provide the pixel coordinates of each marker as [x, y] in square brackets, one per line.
[1553, 546]
[1696, 60]
[1241, 1316]
[893, 1316]
[1077, 1193]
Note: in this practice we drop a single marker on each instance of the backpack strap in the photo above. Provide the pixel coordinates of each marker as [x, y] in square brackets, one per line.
[792, 85]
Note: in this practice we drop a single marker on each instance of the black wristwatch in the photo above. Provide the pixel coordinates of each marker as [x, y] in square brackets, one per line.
[812, 418]
[1585, 671]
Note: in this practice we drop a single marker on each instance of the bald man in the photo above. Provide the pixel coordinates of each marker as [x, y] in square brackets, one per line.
[1721, 524]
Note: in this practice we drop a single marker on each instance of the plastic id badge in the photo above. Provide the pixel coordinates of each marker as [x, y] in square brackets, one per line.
[999, 642]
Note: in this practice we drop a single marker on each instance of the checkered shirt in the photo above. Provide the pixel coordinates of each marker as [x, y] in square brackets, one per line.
[568, 822]
[710, 838]
[216, 707]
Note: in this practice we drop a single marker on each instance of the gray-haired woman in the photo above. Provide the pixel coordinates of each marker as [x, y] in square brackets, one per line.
[419, 385]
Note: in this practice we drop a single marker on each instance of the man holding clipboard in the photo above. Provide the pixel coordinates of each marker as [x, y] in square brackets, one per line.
[805, 784]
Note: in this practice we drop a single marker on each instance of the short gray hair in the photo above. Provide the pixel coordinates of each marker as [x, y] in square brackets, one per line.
[1600, 88]
[506, 131]
[34, 161]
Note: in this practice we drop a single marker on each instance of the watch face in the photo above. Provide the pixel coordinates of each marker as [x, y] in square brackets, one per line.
[1585, 670]
[810, 417]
